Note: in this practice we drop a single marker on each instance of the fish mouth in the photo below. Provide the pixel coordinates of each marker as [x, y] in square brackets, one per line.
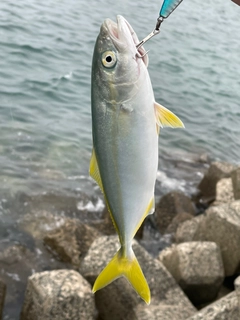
[124, 37]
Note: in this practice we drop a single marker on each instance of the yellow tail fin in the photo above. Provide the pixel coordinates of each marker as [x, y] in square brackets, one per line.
[130, 269]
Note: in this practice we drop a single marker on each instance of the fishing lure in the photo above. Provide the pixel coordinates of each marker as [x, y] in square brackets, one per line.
[167, 8]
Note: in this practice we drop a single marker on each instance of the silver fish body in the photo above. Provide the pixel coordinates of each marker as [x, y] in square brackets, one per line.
[125, 130]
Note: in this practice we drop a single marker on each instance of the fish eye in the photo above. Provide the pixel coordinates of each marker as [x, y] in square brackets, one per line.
[109, 59]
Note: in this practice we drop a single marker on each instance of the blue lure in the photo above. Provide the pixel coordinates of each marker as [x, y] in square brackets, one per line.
[167, 8]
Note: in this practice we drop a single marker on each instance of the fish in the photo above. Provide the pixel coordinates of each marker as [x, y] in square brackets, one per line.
[125, 129]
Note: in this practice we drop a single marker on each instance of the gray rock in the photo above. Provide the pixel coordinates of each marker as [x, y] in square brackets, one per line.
[223, 309]
[2, 296]
[219, 224]
[157, 312]
[236, 183]
[39, 223]
[71, 240]
[169, 206]
[224, 191]
[237, 289]
[191, 230]
[216, 171]
[222, 225]
[58, 295]
[118, 299]
[197, 267]
[177, 220]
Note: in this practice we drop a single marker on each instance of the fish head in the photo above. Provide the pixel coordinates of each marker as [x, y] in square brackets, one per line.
[116, 60]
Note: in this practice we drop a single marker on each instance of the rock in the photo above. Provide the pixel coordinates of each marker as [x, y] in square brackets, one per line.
[71, 240]
[177, 220]
[197, 267]
[191, 230]
[223, 309]
[237, 289]
[224, 191]
[15, 254]
[169, 206]
[222, 225]
[39, 223]
[236, 183]
[118, 299]
[58, 295]
[2, 296]
[157, 312]
[216, 171]
[219, 224]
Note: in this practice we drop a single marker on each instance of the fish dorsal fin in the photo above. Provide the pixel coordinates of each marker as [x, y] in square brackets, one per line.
[166, 118]
[94, 170]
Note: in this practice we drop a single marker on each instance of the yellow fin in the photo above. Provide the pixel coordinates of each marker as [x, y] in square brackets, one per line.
[94, 170]
[95, 174]
[166, 118]
[130, 269]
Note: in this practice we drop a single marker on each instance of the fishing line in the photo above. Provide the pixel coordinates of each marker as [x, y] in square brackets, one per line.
[167, 8]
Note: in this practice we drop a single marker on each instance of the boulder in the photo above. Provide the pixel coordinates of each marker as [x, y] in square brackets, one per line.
[223, 309]
[39, 223]
[158, 312]
[216, 171]
[224, 191]
[222, 225]
[71, 240]
[219, 224]
[236, 183]
[177, 220]
[118, 299]
[169, 206]
[58, 295]
[2, 297]
[191, 230]
[197, 267]
[237, 290]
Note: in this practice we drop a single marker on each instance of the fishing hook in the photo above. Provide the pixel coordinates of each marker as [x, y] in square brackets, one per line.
[152, 34]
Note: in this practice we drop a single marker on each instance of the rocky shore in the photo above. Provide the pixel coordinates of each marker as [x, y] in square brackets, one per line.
[195, 277]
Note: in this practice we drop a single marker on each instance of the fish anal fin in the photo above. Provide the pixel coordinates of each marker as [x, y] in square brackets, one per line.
[149, 210]
[94, 170]
[127, 267]
[166, 118]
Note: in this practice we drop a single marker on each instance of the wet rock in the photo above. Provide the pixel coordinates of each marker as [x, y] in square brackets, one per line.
[191, 230]
[216, 171]
[177, 220]
[118, 299]
[39, 223]
[169, 206]
[15, 254]
[2, 296]
[197, 267]
[58, 295]
[223, 309]
[157, 312]
[224, 191]
[236, 183]
[71, 240]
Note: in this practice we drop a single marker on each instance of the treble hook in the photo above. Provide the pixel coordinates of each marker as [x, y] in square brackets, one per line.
[152, 34]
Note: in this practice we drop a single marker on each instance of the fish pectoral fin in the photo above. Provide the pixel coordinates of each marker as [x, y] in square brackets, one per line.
[94, 170]
[129, 268]
[166, 118]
